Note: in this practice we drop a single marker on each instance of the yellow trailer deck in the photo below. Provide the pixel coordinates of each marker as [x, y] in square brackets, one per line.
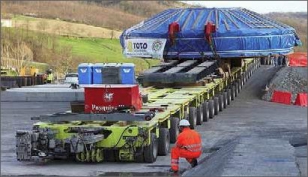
[116, 137]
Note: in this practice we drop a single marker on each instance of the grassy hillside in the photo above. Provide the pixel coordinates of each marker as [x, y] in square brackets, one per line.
[64, 53]
[64, 28]
[298, 20]
[98, 13]
[103, 51]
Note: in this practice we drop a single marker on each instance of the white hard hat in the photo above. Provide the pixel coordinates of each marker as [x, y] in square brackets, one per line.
[184, 123]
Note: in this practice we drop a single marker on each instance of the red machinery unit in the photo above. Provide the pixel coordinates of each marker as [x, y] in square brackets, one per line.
[209, 28]
[173, 28]
[109, 98]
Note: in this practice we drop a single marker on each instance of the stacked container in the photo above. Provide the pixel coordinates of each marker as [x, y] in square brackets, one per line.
[97, 73]
[106, 73]
[85, 73]
[111, 73]
[127, 73]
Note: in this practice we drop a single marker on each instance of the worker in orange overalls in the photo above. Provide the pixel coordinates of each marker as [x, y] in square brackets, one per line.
[188, 145]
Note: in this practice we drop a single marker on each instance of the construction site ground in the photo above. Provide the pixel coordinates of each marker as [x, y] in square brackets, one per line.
[251, 137]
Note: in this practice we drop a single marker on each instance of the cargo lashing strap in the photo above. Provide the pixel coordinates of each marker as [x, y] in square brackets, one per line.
[210, 28]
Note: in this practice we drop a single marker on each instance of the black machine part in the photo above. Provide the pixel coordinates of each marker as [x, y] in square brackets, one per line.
[184, 71]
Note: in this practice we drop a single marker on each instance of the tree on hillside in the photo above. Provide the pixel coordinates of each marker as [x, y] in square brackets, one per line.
[14, 47]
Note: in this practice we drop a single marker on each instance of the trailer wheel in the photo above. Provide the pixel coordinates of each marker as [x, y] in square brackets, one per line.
[246, 77]
[216, 105]
[240, 81]
[228, 96]
[236, 89]
[221, 102]
[174, 131]
[225, 96]
[200, 114]
[233, 92]
[192, 117]
[211, 109]
[150, 151]
[206, 112]
[163, 141]
[239, 85]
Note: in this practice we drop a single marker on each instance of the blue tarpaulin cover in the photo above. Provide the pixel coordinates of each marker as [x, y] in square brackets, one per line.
[239, 33]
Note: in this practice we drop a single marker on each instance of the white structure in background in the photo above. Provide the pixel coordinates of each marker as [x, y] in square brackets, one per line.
[6, 23]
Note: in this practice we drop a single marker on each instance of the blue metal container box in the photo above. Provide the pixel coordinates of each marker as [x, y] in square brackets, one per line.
[127, 73]
[85, 73]
[97, 73]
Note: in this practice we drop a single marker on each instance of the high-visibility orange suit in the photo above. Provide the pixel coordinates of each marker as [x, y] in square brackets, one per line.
[188, 145]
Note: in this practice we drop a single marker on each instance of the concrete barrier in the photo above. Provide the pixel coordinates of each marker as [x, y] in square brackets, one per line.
[38, 94]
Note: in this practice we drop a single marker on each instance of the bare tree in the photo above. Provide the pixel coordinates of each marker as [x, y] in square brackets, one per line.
[42, 25]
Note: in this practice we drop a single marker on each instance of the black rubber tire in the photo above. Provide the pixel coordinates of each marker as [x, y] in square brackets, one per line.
[163, 142]
[225, 96]
[216, 105]
[192, 117]
[221, 102]
[211, 109]
[232, 92]
[246, 77]
[174, 130]
[200, 114]
[236, 89]
[206, 112]
[239, 85]
[228, 96]
[150, 152]
[262, 60]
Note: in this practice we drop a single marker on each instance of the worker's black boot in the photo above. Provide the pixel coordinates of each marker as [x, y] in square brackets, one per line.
[194, 163]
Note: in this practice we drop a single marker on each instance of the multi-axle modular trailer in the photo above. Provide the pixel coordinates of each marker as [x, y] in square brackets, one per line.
[209, 53]
[127, 134]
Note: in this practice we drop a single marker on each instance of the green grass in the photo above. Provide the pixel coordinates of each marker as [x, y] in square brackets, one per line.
[103, 51]
[92, 50]
[24, 18]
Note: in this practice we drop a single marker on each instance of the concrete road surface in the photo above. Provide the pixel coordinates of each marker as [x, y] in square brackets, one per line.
[250, 137]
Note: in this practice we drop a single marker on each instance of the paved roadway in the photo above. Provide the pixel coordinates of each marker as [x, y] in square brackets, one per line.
[250, 137]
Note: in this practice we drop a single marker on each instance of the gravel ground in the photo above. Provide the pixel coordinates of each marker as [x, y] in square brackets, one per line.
[291, 79]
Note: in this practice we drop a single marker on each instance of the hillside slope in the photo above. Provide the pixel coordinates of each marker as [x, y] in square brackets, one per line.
[116, 15]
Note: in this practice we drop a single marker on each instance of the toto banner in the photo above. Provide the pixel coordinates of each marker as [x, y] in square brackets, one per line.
[145, 48]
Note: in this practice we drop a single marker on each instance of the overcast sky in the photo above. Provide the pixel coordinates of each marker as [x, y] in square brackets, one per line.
[258, 6]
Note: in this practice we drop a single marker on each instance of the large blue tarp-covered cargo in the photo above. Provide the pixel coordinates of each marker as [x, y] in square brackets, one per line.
[239, 33]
